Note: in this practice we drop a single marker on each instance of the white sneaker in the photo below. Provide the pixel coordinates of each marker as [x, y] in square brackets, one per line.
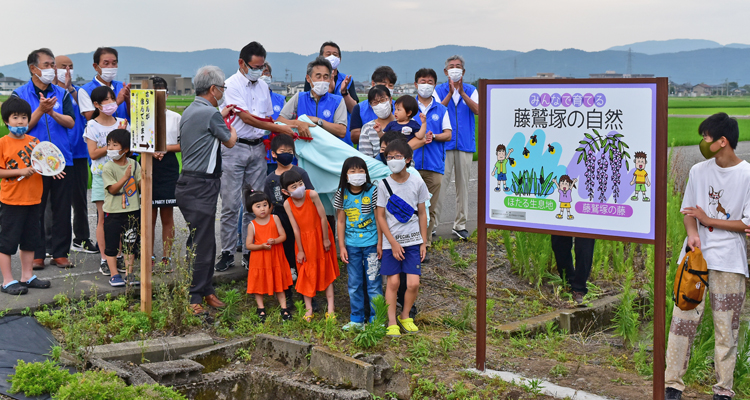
[357, 326]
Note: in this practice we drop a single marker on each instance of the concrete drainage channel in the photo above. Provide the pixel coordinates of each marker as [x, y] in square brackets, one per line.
[282, 368]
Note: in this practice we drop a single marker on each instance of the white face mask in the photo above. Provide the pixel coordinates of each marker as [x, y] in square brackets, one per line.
[48, 75]
[396, 166]
[335, 61]
[382, 110]
[357, 179]
[109, 74]
[61, 76]
[425, 90]
[253, 74]
[321, 88]
[455, 74]
[298, 193]
[114, 154]
[219, 100]
[266, 79]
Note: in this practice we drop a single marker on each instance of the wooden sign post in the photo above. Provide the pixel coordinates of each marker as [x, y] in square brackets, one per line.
[575, 157]
[148, 135]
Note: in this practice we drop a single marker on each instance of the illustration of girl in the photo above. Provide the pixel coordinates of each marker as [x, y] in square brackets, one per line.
[566, 194]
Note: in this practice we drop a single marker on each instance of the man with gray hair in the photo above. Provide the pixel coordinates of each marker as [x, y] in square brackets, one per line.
[462, 101]
[202, 129]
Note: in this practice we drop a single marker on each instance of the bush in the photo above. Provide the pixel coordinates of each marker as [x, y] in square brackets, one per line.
[34, 379]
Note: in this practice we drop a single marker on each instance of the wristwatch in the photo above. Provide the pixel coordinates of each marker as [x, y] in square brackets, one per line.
[320, 122]
[344, 93]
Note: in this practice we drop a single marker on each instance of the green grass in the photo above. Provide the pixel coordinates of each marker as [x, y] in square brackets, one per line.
[684, 131]
[707, 102]
[710, 111]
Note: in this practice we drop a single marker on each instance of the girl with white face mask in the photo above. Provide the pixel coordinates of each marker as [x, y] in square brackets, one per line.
[358, 238]
[379, 98]
[317, 266]
[97, 129]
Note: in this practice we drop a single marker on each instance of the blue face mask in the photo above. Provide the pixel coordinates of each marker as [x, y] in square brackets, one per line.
[284, 158]
[18, 130]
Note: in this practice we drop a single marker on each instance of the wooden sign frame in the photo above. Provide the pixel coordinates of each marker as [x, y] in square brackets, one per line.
[659, 188]
[147, 162]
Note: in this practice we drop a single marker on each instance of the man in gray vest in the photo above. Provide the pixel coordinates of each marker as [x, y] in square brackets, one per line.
[202, 131]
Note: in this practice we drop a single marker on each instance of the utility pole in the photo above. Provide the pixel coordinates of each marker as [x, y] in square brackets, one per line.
[286, 75]
[515, 67]
[630, 62]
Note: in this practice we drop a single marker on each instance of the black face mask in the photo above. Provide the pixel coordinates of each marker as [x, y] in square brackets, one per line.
[284, 158]
[382, 158]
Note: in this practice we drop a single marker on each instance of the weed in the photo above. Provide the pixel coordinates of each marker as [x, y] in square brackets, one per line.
[230, 312]
[419, 352]
[643, 363]
[34, 379]
[559, 370]
[533, 386]
[243, 354]
[626, 319]
[375, 331]
[449, 342]
[490, 308]
[463, 322]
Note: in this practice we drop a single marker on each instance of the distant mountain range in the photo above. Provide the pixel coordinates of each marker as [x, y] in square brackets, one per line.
[678, 61]
[652, 47]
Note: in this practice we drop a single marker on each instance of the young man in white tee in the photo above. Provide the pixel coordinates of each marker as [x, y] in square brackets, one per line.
[716, 210]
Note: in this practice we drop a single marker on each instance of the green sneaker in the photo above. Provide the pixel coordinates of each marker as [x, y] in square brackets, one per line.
[407, 324]
[393, 331]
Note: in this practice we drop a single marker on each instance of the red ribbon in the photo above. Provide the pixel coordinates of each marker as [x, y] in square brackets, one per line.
[236, 110]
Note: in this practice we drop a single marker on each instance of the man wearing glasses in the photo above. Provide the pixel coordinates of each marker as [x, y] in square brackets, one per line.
[244, 165]
[51, 117]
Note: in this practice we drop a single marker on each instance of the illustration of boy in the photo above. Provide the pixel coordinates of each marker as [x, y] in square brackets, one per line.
[500, 169]
[566, 194]
[640, 177]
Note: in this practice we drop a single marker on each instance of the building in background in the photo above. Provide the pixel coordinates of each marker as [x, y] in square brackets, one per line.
[613, 74]
[9, 84]
[178, 85]
[543, 75]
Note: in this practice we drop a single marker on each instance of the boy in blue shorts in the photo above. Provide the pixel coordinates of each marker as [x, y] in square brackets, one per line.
[402, 217]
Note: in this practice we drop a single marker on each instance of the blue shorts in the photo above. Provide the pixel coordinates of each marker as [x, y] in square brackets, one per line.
[501, 177]
[97, 188]
[411, 264]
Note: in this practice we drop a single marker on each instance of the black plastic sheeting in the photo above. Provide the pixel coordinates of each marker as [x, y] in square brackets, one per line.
[22, 338]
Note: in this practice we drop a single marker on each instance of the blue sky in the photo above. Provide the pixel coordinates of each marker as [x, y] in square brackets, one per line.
[381, 25]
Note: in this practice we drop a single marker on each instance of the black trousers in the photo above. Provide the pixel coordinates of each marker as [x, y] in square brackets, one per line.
[575, 275]
[197, 199]
[58, 193]
[80, 180]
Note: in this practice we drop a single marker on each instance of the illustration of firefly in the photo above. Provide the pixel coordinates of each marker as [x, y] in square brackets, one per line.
[541, 180]
[512, 161]
[533, 140]
[526, 152]
[551, 149]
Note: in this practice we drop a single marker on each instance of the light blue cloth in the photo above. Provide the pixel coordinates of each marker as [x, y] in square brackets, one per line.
[323, 158]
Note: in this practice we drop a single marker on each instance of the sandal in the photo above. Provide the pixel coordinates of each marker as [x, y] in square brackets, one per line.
[285, 314]
[35, 283]
[14, 288]
[308, 318]
[261, 314]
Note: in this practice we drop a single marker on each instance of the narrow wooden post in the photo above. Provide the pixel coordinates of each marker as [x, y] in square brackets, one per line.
[147, 237]
[482, 238]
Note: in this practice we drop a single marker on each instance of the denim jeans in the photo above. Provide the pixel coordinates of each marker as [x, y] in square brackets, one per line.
[364, 269]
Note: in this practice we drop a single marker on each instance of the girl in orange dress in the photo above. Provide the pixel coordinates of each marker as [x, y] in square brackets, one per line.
[268, 271]
[317, 266]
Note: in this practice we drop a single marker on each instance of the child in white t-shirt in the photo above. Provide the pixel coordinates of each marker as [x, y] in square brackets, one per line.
[716, 210]
[402, 217]
[101, 124]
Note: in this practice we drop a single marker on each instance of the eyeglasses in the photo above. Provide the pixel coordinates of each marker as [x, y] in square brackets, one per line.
[398, 157]
[253, 67]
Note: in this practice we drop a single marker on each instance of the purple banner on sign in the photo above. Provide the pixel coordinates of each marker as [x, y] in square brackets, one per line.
[610, 210]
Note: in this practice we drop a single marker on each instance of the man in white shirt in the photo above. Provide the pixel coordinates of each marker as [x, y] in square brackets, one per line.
[244, 165]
